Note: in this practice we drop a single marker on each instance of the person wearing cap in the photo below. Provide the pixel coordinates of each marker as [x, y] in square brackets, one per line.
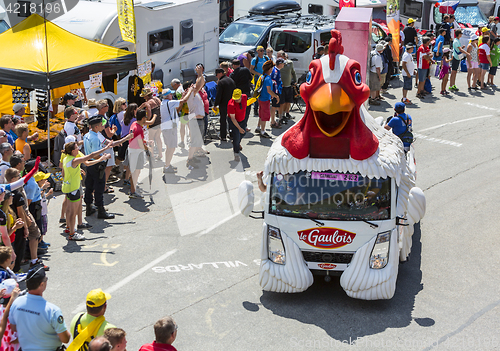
[34, 196]
[444, 71]
[39, 324]
[256, 68]
[277, 88]
[68, 100]
[92, 108]
[107, 135]
[236, 109]
[95, 180]
[495, 58]
[165, 335]
[169, 120]
[70, 128]
[400, 123]
[225, 87]
[472, 63]
[6, 151]
[264, 99]
[90, 324]
[375, 78]
[152, 107]
[483, 53]
[410, 33]
[458, 50]
[485, 32]
[408, 72]
[424, 60]
[242, 80]
[41, 180]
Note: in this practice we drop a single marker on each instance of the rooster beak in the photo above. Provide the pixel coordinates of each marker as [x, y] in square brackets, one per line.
[331, 108]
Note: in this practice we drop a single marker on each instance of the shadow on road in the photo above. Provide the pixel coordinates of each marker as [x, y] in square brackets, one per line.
[327, 306]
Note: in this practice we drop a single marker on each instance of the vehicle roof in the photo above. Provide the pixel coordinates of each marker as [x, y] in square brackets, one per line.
[275, 7]
[297, 20]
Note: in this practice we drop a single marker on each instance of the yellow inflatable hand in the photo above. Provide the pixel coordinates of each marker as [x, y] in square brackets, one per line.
[251, 101]
[215, 110]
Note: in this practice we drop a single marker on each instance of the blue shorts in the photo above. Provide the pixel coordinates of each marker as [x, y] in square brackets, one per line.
[422, 74]
[407, 83]
[485, 66]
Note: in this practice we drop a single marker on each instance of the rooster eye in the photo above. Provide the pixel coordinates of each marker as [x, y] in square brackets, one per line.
[357, 78]
[309, 77]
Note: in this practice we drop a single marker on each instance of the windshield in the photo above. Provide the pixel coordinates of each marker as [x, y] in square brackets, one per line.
[464, 15]
[242, 34]
[3, 26]
[328, 195]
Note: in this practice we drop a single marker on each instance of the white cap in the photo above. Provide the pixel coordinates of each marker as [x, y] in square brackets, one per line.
[17, 107]
[379, 47]
[69, 139]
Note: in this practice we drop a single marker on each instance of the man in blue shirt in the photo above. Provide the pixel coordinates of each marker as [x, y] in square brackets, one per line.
[265, 100]
[400, 123]
[95, 181]
[39, 324]
[257, 70]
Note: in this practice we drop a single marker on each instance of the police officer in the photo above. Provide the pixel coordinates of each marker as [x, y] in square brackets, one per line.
[95, 181]
[39, 324]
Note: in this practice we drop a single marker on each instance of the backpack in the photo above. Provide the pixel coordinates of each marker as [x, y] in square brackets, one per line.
[258, 87]
[406, 136]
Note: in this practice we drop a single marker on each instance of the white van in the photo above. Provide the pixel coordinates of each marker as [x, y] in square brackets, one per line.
[176, 34]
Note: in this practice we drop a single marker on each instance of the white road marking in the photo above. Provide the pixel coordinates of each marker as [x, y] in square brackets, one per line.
[436, 140]
[481, 106]
[455, 122]
[129, 278]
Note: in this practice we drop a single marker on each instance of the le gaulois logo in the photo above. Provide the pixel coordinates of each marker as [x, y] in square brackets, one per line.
[326, 238]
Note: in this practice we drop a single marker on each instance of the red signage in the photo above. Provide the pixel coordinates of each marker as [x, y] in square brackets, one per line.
[326, 238]
[347, 3]
[327, 265]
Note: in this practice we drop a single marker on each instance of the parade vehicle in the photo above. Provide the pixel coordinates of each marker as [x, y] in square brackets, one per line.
[175, 35]
[340, 194]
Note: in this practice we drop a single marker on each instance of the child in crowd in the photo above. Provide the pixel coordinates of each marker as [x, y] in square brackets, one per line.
[495, 58]
[41, 179]
[445, 70]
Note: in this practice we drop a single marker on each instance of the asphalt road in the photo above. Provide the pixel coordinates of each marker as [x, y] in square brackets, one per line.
[185, 251]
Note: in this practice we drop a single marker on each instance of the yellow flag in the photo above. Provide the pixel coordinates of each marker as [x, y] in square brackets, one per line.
[126, 19]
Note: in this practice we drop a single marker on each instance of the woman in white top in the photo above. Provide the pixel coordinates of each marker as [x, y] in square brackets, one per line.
[472, 63]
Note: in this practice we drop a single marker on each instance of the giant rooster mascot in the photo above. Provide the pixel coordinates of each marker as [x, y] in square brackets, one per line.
[337, 134]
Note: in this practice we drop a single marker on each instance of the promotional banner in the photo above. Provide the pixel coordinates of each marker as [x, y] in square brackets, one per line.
[95, 80]
[126, 19]
[393, 25]
[347, 3]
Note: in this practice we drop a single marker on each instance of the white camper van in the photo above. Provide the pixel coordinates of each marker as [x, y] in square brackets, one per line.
[175, 34]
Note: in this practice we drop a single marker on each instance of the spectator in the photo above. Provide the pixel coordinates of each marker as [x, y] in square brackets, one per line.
[225, 87]
[242, 80]
[485, 32]
[439, 45]
[92, 108]
[375, 79]
[70, 127]
[408, 72]
[7, 125]
[22, 131]
[226, 66]
[484, 60]
[265, 99]
[99, 344]
[277, 88]
[288, 77]
[9, 339]
[4, 230]
[320, 51]
[472, 63]
[19, 111]
[3, 137]
[410, 33]
[6, 151]
[72, 181]
[31, 230]
[256, 69]
[34, 196]
[455, 61]
[495, 58]
[400, 124]
[200, 87]
[424, 59]
[41, 179]
[136, 148]
[165, 335]
[246, 59]
[196, 125]
[447, 26]
[236, 110]
[119, 108]
[152, 107]
[170, 119]
[270, 54]
[387, 69]
[106, 135]
[91, 324]
[156, 74]
[128, 119]
[12, 224]
[444, 72]
[39, 324]
[494, 28]
[117, 337]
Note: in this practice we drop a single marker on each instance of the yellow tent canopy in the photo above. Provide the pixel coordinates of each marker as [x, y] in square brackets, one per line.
[70, 58]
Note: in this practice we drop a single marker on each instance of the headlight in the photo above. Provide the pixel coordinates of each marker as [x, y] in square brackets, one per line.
[380, 251]
[275, 245]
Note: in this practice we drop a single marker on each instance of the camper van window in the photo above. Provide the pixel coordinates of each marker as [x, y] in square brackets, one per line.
[315, 9]
[412, 9]
[293, 42]
[3, 26]
[161, 40]
[464, 14]
[330, 195]
[186, 31]
[325, 37]
[242, 33]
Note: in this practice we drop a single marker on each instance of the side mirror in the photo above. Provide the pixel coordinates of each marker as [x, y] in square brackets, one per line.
[399, 221]
[246, 197]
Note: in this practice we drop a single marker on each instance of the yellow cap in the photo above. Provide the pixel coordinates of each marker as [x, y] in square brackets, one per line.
[41, 176]
[236, 94]
[260, 47]
[485, 29]
[97, 298]
[410, 20]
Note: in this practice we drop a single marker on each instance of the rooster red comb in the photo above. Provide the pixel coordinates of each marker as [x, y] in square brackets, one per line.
[335, 47]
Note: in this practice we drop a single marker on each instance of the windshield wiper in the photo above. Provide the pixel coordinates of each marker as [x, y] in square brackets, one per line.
[373, 225]
[321, 224]
[231, 42]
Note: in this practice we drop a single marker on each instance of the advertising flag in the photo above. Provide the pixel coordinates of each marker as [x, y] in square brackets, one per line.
[126, 19]
[393, 25]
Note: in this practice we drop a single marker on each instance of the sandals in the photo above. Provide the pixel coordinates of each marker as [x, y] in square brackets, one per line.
[406, 101]
[373, 102]
[420, 96]
[109, 190]
[275, 125]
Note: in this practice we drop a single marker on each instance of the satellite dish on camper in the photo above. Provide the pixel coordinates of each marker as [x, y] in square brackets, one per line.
[275, 7]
